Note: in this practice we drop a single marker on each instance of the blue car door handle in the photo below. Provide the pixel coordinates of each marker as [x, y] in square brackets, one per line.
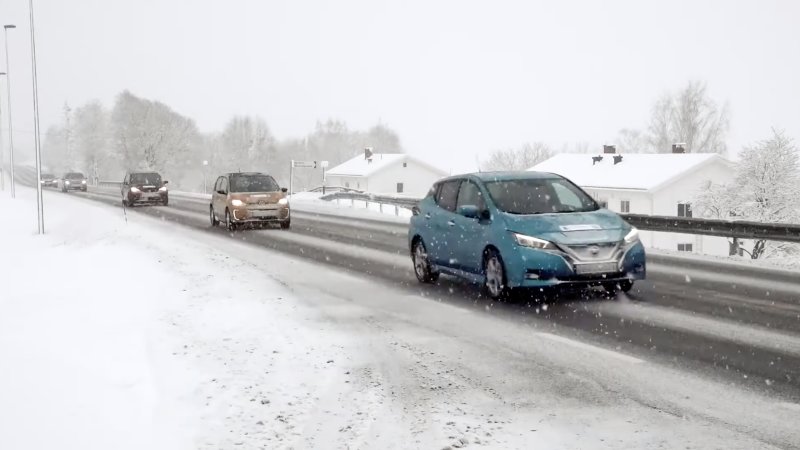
[428, 216]
[451, 223]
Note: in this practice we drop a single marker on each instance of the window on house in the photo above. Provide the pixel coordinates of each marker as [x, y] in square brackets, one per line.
[685, 247]
[347, 184]
[603, 203]
[684, 210]
[399, 188]
[405, 164]
[625, 206]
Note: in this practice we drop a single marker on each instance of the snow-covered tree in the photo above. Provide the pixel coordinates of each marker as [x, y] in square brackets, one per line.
[766, 189]
[91, 124]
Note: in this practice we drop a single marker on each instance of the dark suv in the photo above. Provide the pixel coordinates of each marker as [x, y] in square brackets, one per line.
[144, 187]
[73, 181]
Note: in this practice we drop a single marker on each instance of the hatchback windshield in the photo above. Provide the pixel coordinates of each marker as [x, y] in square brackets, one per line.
[539, 196]
[152, 179]
[253, 183]
[74, 176]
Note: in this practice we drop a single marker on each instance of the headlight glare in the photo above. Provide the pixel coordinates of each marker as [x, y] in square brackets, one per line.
[283, 201]
[135, 189]
[66, 182]
[532, 242]
[632, 236]
[163, 189]
[83, 181]
[237, 202]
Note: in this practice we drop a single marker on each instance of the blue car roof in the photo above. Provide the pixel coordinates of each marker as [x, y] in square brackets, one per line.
[507, 176]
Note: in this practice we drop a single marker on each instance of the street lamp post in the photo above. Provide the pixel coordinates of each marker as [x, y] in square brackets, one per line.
[2, 153]
[8, 99]
[37, 140]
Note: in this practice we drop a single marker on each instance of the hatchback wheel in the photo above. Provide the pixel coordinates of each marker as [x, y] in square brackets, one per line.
[229, 222]
[495, 275]
[422, 264]
[212, 216]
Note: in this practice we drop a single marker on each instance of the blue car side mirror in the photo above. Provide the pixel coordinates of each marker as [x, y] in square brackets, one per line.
[469, 211]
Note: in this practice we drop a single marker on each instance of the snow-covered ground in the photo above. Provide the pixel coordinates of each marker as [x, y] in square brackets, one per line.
[119, 335]
[144, 335]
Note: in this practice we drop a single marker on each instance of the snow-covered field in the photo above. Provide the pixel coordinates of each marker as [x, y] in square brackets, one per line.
[117, 335]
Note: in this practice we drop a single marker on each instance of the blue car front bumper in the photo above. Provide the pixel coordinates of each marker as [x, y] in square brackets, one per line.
[528, 267]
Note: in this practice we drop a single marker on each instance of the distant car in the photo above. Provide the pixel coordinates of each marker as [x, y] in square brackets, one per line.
[248, 198]
[73, 181]
[49, 180]
[522, 230]
[144, 188]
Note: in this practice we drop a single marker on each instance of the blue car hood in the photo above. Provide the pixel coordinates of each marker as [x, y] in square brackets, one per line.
[570, 228]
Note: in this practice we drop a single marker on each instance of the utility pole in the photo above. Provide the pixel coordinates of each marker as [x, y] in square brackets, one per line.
[2, 153]
[8, 99]
[37, 139]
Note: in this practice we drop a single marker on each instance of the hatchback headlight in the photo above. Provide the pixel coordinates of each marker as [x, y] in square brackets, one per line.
[237, 202]
[283, 201]
[532, 242]
[632, 236]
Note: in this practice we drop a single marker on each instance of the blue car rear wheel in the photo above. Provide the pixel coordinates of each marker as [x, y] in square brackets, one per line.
[422, 264]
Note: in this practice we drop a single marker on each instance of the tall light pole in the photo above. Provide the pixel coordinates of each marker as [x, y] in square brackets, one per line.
[2, 153]
[40, 206]
[8, 95]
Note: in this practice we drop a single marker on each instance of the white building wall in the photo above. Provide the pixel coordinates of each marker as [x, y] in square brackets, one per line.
[417, 179]
[351, 182]
[664, 202]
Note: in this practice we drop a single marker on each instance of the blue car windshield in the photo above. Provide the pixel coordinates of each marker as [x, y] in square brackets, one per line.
[539, 196]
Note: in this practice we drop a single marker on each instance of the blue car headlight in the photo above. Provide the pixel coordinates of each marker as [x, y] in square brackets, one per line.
[532, 242]
[632, 236]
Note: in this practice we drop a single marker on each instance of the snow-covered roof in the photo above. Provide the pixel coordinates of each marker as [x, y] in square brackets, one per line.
[641, 171]
[361, 167]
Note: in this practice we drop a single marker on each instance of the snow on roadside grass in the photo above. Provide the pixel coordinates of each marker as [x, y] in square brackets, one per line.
[116, 335]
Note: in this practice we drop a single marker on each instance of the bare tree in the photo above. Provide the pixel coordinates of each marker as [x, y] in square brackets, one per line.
[522, 158]
[631, 140]
[689, 116]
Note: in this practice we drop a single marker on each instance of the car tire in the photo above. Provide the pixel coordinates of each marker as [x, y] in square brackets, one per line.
[286, 224]
[229, 225]
[165, 202]
[212, 217]
[618, 286]
[422, 264]
[494, 270]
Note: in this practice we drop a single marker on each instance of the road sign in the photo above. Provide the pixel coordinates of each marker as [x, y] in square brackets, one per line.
[306, 164]
[324, 164]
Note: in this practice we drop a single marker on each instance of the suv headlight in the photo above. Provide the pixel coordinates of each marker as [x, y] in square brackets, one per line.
[532, 242]
[83, 181]
[632, 236]
[283, 201]
[163, 189]
[66, 182]
[237, 202]
[134, 189]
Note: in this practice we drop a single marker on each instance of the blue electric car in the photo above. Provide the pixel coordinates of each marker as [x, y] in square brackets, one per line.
[509, 230]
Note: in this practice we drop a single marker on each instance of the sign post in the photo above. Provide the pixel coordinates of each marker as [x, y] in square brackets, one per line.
[302, 165]
[324, 165]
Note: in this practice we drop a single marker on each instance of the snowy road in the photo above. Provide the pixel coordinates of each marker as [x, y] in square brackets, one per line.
[365, 358]
[741, 307]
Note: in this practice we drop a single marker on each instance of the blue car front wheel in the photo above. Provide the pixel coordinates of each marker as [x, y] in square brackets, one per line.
[494, 272]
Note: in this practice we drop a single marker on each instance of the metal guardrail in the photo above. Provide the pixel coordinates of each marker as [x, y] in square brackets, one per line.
[403, 202]
[714, 227]
[107, 183]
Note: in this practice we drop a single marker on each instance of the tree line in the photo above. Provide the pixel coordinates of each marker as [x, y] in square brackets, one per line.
[141, 134]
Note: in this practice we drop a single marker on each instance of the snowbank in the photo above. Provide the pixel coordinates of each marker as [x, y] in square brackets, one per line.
[122, 335]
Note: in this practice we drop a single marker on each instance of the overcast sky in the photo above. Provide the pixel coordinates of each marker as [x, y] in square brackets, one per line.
[456, 79]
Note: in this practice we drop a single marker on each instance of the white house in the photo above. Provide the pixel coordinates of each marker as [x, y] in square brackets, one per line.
[655, 184]
[384, 173]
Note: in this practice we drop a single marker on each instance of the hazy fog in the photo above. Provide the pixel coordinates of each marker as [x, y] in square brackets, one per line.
[452, 78]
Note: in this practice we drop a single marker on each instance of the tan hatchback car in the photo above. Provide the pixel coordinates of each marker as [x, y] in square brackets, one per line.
[248, 198]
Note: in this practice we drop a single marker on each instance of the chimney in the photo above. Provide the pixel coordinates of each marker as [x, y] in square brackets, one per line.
[610, 149]
[679, 148]
[368, 153]
[596, 159]
[617, 159]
